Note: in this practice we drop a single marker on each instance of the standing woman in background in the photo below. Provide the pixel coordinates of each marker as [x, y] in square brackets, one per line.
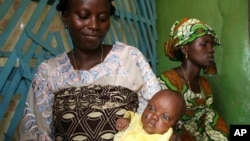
[192, 43]
[78, 95]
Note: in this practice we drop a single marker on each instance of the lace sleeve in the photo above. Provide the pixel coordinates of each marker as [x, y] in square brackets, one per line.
[37, 116]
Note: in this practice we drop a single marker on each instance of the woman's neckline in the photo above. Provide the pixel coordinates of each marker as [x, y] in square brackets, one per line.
[187, 85]
[104, 56]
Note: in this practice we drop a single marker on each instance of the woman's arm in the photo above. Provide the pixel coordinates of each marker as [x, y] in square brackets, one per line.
[151, 85]
[37, 117]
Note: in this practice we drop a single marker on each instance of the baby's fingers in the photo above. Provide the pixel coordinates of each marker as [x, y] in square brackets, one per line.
[121, 124]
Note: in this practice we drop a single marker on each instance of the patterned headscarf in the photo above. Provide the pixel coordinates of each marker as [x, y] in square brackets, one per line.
[185, 31]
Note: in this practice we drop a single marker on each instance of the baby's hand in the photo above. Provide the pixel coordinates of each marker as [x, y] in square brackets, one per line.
[122, 123]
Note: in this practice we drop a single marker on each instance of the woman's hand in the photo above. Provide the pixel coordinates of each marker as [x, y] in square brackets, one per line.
[175, 137]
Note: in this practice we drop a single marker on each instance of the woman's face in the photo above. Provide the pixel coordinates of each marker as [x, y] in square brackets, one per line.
[201, 51]
[161, 113]
[88, 22]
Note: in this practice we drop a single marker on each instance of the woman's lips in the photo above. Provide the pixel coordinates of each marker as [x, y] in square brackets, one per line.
[91, 37]
[211, 58]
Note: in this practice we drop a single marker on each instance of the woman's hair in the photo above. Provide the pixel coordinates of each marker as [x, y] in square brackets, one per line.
[179, 56]
[63, 5]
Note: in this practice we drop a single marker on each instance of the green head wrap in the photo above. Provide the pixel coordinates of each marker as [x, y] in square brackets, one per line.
[185, 31]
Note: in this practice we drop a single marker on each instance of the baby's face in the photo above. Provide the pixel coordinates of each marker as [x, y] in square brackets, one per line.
[160, 114]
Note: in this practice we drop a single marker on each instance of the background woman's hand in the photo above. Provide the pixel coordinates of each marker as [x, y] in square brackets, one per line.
[175, 137]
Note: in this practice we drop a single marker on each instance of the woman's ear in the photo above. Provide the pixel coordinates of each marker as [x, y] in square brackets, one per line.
[184, 49]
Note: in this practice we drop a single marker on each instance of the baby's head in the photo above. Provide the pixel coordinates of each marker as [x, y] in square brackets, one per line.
[163, 111]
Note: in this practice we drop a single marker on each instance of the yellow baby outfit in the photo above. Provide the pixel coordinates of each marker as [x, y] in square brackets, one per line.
[135, 132]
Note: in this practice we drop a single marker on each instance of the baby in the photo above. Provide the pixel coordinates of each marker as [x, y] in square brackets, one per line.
[156, 122]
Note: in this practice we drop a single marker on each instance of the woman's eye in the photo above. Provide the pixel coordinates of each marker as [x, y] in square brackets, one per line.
[103, 18]
[203, 44]
[213, 44]
[83, 16]
[206, 44]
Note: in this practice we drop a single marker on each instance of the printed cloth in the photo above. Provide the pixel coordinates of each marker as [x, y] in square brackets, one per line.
[200, 121]
[124, 66]
[89, 112]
